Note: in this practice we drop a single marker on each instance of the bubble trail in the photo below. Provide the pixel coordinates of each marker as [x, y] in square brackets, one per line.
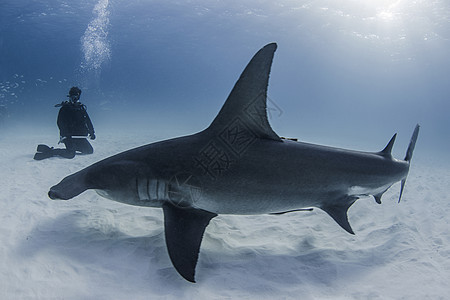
[94, 42]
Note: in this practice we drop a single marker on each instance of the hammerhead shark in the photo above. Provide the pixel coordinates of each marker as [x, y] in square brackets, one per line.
[238, 165]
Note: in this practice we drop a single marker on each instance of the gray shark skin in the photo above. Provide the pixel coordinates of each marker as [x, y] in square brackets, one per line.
[238, 165]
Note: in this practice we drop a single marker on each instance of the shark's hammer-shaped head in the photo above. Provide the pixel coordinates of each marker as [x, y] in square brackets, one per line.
[68, 188]
[131, 182]
[123, 181]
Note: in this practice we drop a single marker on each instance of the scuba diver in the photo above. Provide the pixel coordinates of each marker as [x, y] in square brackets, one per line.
[74, 126]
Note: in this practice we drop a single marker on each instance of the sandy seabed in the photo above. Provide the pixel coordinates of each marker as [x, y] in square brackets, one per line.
[93, 248]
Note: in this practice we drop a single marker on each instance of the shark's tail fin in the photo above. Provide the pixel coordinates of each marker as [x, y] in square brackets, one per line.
[409, 153]
[412, 143]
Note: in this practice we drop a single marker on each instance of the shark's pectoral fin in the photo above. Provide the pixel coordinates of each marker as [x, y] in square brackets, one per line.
[339, 213]
[184, 228]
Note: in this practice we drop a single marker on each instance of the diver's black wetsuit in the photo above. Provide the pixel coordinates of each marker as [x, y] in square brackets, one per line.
[74, 124]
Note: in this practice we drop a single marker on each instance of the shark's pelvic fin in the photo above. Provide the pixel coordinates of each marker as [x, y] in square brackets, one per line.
[246, 106]
[184, 228]
[339, 213]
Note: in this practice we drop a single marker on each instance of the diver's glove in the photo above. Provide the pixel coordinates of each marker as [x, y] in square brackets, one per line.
[92, 136]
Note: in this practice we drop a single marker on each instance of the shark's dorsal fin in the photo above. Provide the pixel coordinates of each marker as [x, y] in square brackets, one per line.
[246, 106]
[339, 213]
[184, 228]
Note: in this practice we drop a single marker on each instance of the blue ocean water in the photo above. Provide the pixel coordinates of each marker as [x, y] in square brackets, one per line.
[346, 73]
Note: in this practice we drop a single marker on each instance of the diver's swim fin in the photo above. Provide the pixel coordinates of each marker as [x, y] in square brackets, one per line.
[44, 151]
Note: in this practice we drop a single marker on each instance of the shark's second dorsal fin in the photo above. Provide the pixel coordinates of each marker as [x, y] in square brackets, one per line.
[246, 106]
[387, 151]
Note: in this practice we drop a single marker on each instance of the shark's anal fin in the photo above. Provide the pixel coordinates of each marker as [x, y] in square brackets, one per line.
[378, 197]
[339, 212]
[184, 228]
